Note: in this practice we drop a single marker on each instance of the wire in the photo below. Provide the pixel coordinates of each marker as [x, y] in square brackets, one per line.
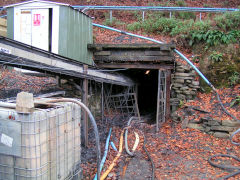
[149, 157]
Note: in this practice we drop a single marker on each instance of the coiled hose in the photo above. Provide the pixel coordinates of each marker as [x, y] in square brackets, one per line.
[144, 147]
[94, 127]
[229, 156]
[126, 138]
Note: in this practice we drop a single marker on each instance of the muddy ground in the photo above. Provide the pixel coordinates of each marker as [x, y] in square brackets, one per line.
[177, 153]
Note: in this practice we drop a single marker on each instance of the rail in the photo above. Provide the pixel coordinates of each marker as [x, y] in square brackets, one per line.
[155, 8]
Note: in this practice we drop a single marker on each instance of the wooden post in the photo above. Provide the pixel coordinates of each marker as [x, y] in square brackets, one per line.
[24, 102]
[85, 101]
[158, 96]
[168, 92]
[102, 102]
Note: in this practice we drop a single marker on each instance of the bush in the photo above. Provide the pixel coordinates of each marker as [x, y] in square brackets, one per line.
[228, 21]
[186, 15]
[134, 26]
[234, 78]
[214, 37]
[181, 3]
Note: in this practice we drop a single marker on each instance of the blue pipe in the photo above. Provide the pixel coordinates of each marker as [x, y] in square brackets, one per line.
[113, 146]
[157, 8]
[159, 42]
[105, 153]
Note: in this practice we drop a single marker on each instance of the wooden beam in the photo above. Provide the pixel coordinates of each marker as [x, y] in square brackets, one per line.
[136, 58]
[158, 96]
[135, 66]
[131, 46]
[85, 101]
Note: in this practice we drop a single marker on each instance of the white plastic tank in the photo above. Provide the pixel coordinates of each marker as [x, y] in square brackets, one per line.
[43, 145]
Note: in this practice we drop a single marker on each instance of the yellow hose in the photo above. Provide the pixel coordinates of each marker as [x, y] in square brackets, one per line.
[115, 159]
[136, 142]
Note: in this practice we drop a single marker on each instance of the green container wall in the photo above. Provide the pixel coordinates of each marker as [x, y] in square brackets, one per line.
[75, 32]
[10, 23]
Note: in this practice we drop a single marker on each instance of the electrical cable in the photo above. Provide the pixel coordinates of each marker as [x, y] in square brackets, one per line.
[149, 157]
[225, 167]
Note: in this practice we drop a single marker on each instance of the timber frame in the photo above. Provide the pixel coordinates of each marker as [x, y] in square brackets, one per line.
[141, 56]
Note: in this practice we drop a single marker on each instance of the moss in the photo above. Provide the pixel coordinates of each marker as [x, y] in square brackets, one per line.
[220, 73]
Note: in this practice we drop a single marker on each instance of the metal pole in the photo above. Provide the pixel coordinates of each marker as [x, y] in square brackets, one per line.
[143, 14]
[200, 16]
[102, 103]
[110, 16]
[170, 15]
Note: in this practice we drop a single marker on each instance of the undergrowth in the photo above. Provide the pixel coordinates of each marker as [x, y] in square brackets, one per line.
[223, 29]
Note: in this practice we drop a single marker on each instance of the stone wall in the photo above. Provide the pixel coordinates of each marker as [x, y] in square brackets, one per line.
[184, 86]
[217, 128]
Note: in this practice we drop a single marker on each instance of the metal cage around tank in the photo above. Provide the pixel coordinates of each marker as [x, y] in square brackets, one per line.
[50, 145]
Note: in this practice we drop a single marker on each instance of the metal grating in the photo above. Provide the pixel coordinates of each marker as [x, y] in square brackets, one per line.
[123, 104]
[161, 99]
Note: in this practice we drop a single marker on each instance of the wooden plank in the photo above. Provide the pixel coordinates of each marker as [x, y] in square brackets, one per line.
[157, 53]
[3, 32]
[133, 58]
[130, 46]
[103, 53]
[135, 66]
[3, 27]
[3, 22]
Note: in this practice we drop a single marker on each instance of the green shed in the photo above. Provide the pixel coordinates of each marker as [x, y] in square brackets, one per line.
[51, 26]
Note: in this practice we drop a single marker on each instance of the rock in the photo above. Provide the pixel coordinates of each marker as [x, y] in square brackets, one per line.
[222, 128]
[181, 77]
[214, 122]
[177, 85]
[182, 74]
[230, 123]
[181, 96]
[185, 88]
[195, 126]
[181, 81]
[187, 92]
[207, 129]
[188, 81]
[180, 70]
[221, 135]
[195, 83]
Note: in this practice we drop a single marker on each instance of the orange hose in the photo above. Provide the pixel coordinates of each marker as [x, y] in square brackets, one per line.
[115, 159]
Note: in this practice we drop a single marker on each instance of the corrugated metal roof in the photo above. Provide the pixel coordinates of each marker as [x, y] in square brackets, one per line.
[27, 2]
[42, 1]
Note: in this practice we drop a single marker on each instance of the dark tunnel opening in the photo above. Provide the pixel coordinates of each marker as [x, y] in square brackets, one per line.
[147, 81]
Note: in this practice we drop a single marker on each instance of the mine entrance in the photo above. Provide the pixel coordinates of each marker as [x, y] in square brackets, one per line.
[147, 86]
[150, 65]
